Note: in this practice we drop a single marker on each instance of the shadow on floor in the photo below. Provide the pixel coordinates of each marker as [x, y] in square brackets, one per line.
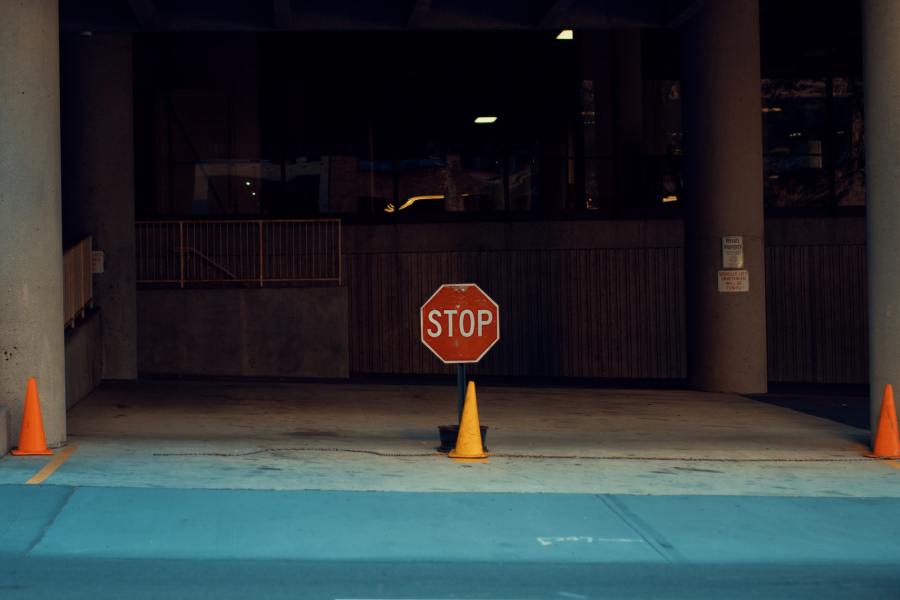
[844, 404]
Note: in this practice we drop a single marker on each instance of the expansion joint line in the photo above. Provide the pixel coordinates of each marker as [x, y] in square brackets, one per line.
[521, 456]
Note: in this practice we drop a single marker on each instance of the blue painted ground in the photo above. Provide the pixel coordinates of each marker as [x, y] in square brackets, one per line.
[59, 541]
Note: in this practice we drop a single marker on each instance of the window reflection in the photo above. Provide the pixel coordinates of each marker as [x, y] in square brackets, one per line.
[849, 168]
[812, 140]
[358, 123]
[314, 124]
[663, 139]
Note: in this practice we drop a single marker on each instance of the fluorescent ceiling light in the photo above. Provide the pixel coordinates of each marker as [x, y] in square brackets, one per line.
[566, 34]
[485, 119]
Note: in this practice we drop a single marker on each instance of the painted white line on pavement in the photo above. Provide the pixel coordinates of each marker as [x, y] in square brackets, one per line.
[585, 539]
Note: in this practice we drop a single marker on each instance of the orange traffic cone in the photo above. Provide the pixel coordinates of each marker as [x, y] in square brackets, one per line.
[887, 441]
[468, 440]
[31, 439]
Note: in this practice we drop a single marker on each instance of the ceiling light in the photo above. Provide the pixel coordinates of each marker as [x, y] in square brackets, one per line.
[566, 34]
[486, 119]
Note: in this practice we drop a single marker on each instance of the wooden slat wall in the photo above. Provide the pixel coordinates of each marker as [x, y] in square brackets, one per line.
[816, 313]
[573, 309]
[599, 312]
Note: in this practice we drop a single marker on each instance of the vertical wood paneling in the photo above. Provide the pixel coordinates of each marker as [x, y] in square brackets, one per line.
[608, 312]
[816, 313]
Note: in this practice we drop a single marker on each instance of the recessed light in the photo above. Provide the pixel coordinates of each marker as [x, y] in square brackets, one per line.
[486, 119]
[566, 34]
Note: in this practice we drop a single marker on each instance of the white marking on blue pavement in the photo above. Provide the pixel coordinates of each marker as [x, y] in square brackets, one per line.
[585, 539]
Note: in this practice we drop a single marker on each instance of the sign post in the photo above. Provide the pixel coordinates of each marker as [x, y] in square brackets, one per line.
[460, 390]
[459, 323]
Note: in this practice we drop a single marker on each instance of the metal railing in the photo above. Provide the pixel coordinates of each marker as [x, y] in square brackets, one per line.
[78, 288]
[253, 252]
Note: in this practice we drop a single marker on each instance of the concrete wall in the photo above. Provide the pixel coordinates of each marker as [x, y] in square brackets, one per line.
[600, 299]
[98, 180]
[84, 358]
[278, 332]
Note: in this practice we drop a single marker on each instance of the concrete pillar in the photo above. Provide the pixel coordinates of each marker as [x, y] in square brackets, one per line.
[31, 281]
[98, 180]
[881, 54]
[724, 195]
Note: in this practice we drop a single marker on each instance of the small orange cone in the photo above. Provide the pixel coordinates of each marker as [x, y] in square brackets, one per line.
[887, 441]
[31, 439]
[468, 440]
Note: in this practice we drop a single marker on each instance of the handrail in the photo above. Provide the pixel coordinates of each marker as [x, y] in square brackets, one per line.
[78, 289]
[253, 251]
[194, 252]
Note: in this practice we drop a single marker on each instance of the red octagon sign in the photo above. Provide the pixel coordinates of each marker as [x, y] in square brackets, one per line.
[459, 323]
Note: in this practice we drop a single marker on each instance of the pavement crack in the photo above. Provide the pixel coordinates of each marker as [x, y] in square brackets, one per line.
[653, 538]
[49, 524]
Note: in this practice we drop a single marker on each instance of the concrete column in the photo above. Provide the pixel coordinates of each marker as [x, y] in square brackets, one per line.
[881, 54]
[724, 195]
[98, 180]
[31, 281]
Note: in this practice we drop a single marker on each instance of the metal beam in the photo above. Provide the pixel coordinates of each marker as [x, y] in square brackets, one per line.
[283, 15]
[419, 12]
[555, 13]
[147, 14]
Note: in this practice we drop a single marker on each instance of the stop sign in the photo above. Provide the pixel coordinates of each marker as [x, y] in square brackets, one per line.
[459, 323]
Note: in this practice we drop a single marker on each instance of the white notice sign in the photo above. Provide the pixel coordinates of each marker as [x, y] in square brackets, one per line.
[733, 252]
[97, 261]
[734, 281]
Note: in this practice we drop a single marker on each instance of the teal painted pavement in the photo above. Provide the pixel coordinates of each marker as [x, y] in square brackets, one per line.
[133, 542]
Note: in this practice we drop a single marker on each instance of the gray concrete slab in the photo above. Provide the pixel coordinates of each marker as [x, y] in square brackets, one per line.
[397, 418]
[292, 436]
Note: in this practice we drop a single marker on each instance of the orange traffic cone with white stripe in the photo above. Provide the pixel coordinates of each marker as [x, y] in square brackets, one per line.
[468, 440]
[887, 440]
[31, 439]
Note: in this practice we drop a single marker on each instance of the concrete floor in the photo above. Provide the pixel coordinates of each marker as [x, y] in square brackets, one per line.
[230, 435]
